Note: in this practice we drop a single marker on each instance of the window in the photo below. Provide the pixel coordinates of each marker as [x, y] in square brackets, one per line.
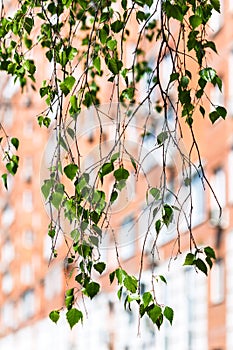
[198, 200]
[27, 307]
[218, 182]
[27, 201]
[8, 215]
[8, 315]
[26, 274]
[126, 238]
[7, 283]
[28, 239]
[53, 282]
[8, 252]
[230, 82]
[230, 176]
[217, 283]
[28, 169]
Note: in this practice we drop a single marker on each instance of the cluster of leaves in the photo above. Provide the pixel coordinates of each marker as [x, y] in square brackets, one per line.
[86, 43]
[130, 289]
[194, 259]
[11, 159]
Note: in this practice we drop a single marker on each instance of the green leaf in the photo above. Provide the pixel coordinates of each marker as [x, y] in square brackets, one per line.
[15, 142]
[128, 93]
[120, 274]
[54, 316]
[103, 36]
[114, 196]
[112, 276]
[202, 110]
[195, 21]
[114, 65]
[216, 5]
[168, 214]
[74, 103]
[189, 259]
[130, 283]
[169, 314]
[158, 225]
[121, 174]
[46, 187]
[117, 26]
[210, 252]
[28, 24]
[221, 111]
[147, 298]
[4, 179]
[201, 266]
[155, 192]
[162, 137]
[67, 85]
[51, 233]
[173, 77]
[214, 116]
[154, 313]
[163, 279]
[57, 197]
[184, 81]
[208, 74]
[71, 171]
[100, 267]
[92, 289]
[97, 64]
[112, 44]
[73, 316]
[107, 168]
[119, 293]
[75, 234]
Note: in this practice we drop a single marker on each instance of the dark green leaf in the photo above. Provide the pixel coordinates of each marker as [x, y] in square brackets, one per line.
[168, 214]
[97, 64]
[216, 5]
[221, 111]
[131, 283]
[92, 289]
[114, 196]
[54, 316]
[201, 266]
[147, 298]
[117, 26]
[15, 142]
[202, 110]
[189, 259]
[158, 225]
[112, 276]
[67, 85]
[100, 267]
[169, 314]
[155, 192]
[4, 179]
[195, 21]
[71, 171]
[73, 316]
[210, 252]
[121, 174]
[163, 279]
[154, 313]
[214, 116]
[208, 74]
